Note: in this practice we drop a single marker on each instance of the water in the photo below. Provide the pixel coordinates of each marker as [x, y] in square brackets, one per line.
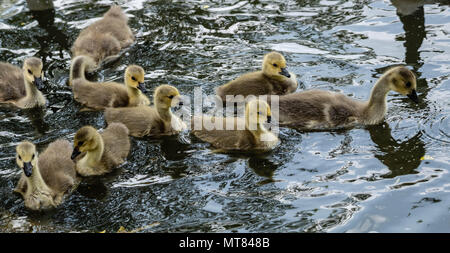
[392, 177]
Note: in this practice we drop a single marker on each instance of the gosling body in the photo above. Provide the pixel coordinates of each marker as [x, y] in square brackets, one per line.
[98, 96]
[318, 109]
[20, 87]
[46, 180]
[273, 79]
[102, 152]
[150, 121]
[104, 39]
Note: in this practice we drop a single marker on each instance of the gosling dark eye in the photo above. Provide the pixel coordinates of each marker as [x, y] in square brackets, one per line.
[29, 71]
[171, 96]
[275, 65]
[408, 84]
[132, 78]
[32, 157]
[20, 158]
[80, 143]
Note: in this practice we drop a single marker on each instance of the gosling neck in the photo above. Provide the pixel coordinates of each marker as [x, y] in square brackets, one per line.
[377, 105]
[35, 182]
[258, 132]
[33, 97]
[164, 112]
[94, 156]
[133, 94]
[77, 69]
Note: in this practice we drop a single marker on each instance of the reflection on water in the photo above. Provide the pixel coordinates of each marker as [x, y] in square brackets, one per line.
[93, 188]
[362, 179]
[263, 167]
[36, 116]
[412, 15]
[413, 20]
[401, 158]
[52, 36]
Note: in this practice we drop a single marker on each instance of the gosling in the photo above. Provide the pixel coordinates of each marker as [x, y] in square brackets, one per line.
[100, 153]
[21, 87]
[98, 96]
[253, 137]
[104, 39]
[46, 180]
[151, 121]
[318, 109]
[274, 79]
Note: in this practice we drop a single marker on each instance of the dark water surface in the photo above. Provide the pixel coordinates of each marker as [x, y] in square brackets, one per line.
[393, 177]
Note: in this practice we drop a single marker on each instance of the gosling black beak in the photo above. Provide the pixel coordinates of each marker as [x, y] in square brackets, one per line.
[142, 87]
[285, 73]
[269, 119]
[413, 96]
[178, 101]
[178, 105]
[27, 169]
[38, 82]
[75, 153]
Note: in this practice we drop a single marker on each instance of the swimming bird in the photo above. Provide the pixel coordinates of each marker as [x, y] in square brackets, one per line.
[46, 179]
[21, 87]
[102, 152]
[98, 96]
[319, 109]
[104, 39]
[273, 79]
[150, 121]
[238, 134]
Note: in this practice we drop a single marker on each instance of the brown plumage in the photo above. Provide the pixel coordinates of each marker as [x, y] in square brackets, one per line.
[20, 87]
[245, 134]
[274, 79]
[104, 38]
[47, 179]
[104, 151]
[12, 84]
[98, 96]
[318, 109]
[150, 121]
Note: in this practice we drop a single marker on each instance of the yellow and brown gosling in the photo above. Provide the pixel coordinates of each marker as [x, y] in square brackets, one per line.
[46, 179]
[98, 96]
[319, 109]
[150, 121]
[21, 87]
[273, 79]
[98, 154]
[246, 134]
[104, 39]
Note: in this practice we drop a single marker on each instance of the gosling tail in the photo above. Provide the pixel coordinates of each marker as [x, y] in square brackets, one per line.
[79, 66]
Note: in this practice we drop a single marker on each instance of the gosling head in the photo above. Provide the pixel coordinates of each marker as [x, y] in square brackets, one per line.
[167, 96]
[403, 81]
[26, 157]
[134, 77]
[32, 71]
[116, 12]
[274, 66]
[257, 113]
[85, 140]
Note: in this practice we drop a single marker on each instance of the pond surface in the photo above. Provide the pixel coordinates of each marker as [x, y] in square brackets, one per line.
[392, 177]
